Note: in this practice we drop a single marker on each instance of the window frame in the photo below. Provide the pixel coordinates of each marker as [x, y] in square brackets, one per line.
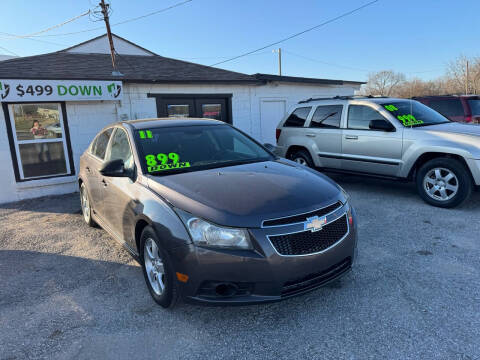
[347, 118]
[93, 143]
[14, 142]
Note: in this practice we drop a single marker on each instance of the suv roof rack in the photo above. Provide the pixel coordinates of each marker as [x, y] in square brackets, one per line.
[343, 97]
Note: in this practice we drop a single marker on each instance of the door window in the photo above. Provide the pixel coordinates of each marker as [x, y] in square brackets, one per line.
[99, 146]
[179, 110]
[298, 117]
[359, 117]
[120, 148]
[212, 111]
[39, 139]
[327, 116]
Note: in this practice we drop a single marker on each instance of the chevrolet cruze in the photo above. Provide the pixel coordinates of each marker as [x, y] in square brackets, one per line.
[213, 216]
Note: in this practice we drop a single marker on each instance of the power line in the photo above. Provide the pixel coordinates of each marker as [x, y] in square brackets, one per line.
[324, 62]
[299, 33]
[50, 28]
[121, 22]
[32, 39]
[9, 51]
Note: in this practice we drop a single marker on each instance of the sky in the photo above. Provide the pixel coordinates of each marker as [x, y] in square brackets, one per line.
[416, 37]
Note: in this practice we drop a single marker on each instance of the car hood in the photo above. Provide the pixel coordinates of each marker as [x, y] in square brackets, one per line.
[245, 195]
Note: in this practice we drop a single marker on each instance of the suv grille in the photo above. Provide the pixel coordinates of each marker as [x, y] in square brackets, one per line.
[307, 242]
[302, 217]
[315, 280]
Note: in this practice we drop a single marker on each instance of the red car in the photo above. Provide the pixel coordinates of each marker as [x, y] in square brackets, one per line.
[460, 108]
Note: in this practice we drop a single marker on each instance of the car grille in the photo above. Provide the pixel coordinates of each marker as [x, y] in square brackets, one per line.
[302, 217]
[315, 280]
[308, 242]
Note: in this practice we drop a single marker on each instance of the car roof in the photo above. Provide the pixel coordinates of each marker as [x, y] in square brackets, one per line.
[169, 122]
[342, 99]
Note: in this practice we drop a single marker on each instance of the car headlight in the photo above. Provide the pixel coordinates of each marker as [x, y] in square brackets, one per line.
[205, 233]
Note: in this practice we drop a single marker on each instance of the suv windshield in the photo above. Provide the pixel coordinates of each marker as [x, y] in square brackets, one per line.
[167, 150]
[411, 113]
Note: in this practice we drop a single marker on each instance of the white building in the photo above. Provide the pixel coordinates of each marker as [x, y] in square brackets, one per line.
[53, 105]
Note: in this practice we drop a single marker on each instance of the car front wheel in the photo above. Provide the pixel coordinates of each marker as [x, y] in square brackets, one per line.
[157, 269]
[444, 182]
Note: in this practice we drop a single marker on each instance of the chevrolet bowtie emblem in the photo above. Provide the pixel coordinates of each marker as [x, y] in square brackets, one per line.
[315, 223]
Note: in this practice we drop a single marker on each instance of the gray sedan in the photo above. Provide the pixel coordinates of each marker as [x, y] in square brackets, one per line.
[213, 216]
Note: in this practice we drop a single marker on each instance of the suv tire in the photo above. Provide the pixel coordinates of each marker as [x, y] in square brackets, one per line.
[157, 269]
[444, 182]
[302, 157]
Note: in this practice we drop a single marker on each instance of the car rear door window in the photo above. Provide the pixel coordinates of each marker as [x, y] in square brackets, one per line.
[448, 107]
[327, 116]
[99, 147]
[298, 117]
[474, 106]
[359, 117]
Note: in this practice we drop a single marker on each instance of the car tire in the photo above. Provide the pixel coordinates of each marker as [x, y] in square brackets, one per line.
[86, 207]
[302, 157]
[444, 182]
[157, 269]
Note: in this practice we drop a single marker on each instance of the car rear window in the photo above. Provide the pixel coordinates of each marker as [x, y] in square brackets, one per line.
[99, 147]
[327, 116]
[474, 106]
[298, 117]
[447, 107]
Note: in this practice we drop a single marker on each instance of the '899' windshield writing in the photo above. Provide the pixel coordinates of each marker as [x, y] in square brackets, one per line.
[160, 162]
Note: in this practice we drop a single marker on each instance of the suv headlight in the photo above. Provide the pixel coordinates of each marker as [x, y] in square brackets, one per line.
[205, 233]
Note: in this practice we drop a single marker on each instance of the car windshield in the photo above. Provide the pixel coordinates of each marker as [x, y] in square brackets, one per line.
[411, 113]
[475, 106]
[168, 150]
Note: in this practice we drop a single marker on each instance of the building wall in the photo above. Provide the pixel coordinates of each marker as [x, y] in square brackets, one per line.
[85, 119]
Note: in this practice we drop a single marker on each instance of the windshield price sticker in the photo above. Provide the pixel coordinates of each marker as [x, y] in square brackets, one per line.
[391, 107]
[407, 120]
[161, 162]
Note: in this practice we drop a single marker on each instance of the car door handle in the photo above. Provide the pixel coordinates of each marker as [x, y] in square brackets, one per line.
[310, 135]
[351, 137]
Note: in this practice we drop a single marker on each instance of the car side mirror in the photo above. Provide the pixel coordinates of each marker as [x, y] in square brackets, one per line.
[270, 147]
[114, 168]
[381, 124]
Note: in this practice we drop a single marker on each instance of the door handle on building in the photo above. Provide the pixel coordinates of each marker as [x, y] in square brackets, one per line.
[104, 183]
[351, 137]
[88, 169]
[310, 135]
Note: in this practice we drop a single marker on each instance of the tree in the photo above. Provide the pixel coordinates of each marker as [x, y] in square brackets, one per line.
[383, 83]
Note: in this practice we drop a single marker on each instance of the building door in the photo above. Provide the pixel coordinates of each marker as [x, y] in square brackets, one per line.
[271, 113]
[211, 106]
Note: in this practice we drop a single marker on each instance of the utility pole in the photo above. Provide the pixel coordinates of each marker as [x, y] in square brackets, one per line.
[105, 8]
[466, 80]
[279, 51]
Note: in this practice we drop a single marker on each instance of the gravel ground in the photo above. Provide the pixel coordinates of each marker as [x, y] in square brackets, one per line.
[69, 291]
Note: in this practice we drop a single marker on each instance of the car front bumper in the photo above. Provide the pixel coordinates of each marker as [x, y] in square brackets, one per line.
[262, 275]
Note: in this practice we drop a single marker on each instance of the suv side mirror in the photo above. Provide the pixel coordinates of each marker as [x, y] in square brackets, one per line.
[381, 124]
[114, 168]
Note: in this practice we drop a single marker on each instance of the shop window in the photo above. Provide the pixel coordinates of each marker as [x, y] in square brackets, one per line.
[39, 136]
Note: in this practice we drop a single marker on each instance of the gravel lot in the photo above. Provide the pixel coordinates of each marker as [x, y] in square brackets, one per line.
[69, 291]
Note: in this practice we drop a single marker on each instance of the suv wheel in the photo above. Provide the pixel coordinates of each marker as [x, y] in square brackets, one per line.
[157, 270]
[302, 157]
[444, 182]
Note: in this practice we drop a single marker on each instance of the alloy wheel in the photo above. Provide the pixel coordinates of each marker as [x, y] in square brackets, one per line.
[154, 266]
[440, 184]
[301, 161]
[85, 203]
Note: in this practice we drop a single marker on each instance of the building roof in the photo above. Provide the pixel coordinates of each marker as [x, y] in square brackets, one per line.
[90, 60]
[296, 79]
